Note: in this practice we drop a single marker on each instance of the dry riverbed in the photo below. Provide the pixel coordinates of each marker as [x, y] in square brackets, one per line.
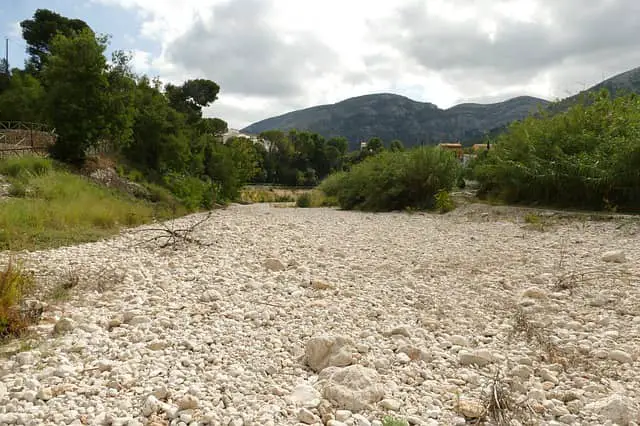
[317, 316]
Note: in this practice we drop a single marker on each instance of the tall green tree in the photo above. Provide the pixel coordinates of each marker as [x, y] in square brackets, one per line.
[5, 75]
[40, 32]
[120, 108]
[245, 157]
[191, 97]
[375, 146]
[76, 93]
[160, 135]
[23, 98]
[213, 127]
[220, 167]
[335, 151]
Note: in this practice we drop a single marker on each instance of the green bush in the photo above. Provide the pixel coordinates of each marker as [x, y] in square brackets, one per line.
[444, 203]
[192, 192]
[394, 180]
[304, 200]
[160, 194]
[587, 157]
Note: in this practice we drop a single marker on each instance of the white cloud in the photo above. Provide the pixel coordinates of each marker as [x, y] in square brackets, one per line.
[15, 30]
[272, 56]
[141, 61]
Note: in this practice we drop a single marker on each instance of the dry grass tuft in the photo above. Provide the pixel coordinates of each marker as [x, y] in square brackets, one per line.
[61, 291]
[499, 402]
[594, 277]
[502, 408]
[251, 195]
[15, 318]
[535, 222]
[538, 335]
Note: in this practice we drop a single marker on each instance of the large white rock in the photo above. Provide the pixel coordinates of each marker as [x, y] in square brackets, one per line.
[306, 396]
[329, 351]
[614, 256]
[479, 357]
[274, 265]
[534, 293]
[151, 406]
[352, 388]
[621, 356]
[307, 417]
[616, 408]
[470, 408]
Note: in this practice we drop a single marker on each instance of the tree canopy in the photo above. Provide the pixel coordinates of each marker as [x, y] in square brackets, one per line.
[40, 31]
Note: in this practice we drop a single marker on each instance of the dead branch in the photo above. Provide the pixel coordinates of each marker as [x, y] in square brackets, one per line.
[174, 237]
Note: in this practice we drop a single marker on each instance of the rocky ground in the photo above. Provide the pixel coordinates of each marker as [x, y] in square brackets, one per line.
[316, 316]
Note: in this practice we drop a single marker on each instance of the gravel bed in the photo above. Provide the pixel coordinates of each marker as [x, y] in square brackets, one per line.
[288, 316]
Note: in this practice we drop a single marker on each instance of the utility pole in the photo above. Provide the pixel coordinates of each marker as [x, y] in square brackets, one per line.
[6, 54]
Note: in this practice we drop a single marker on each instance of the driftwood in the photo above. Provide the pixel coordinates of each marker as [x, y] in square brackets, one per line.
[170, 236]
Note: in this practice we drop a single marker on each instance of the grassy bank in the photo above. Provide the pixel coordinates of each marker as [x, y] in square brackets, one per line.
[47, 206]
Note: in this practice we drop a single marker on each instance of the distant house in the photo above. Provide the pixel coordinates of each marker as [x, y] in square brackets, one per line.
[456, 148]
[233, 133]
[480, 147]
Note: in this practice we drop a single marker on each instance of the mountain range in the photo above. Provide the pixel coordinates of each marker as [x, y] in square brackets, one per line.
[389, 116]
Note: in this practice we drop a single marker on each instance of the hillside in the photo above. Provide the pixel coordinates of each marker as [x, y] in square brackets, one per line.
[392, 116]
[628, 81]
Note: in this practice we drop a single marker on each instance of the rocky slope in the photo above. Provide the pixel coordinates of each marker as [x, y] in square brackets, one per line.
[317, 316]
[391, 117]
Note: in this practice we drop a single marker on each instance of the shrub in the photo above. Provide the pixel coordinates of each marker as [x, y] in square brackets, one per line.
[586, 157]
[14, 283]
[304, 200]
[192, 192]
[315, 198]
[332, 184]
[444, 203]
[394, 180]
[160, 194]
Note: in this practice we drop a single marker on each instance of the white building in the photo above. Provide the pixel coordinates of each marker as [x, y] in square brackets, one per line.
[233, 133]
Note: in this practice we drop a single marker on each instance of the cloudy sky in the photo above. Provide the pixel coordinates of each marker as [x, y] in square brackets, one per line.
[274, 56]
